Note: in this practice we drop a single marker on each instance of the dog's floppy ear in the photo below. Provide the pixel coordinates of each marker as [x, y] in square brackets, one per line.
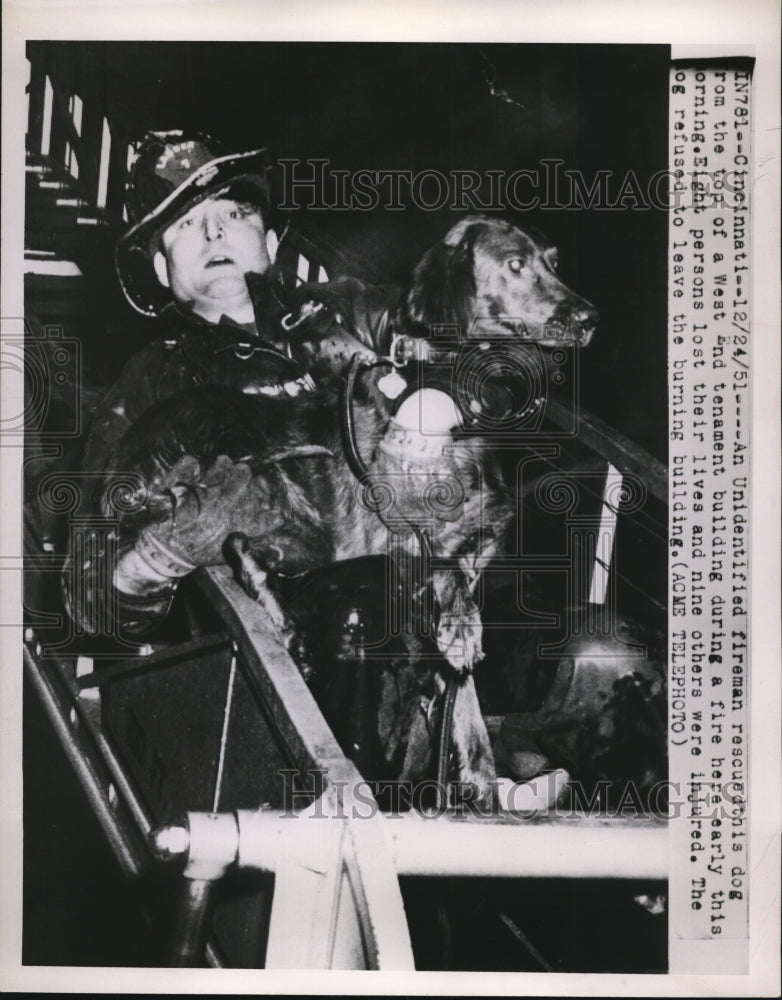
[443, 288]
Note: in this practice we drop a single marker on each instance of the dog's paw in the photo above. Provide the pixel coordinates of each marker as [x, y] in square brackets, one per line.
[475, 768]
[475, 792]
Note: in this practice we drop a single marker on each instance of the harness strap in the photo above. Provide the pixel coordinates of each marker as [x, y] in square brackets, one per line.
[244, 349]
[301, 451]
[401, 349]
[446, 739]
[355, 460]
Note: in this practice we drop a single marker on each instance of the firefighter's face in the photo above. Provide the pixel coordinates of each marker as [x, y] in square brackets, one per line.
[206, 254]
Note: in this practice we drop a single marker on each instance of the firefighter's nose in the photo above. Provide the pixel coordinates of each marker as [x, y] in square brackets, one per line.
[213, 227]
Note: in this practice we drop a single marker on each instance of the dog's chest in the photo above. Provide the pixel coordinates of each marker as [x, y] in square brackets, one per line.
[357, 530]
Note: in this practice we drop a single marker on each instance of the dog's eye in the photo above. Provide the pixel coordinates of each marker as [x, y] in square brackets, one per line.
[553, 259]
[516, 264]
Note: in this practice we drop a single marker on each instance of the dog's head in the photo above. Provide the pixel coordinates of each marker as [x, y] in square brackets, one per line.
[492, 279]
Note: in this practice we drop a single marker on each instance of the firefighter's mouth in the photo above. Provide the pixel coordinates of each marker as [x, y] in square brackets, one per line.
[220, 260]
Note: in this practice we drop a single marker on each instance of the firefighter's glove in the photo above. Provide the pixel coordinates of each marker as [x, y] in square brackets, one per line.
[205, 506]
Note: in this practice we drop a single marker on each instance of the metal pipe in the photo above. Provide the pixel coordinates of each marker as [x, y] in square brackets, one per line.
[545, 848]
[553, 846]
[82, 762]
[190, 927]
[208, 842]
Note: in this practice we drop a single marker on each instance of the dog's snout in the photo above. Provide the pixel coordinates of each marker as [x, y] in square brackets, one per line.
[587, 316]
[575, 320]
[586, 319]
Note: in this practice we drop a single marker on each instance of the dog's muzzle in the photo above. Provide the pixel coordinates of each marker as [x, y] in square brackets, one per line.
[586, 321]
[575, 325]
[566, 326]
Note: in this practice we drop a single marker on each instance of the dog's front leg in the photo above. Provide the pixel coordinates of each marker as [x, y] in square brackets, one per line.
[459, 628]
[475, 769]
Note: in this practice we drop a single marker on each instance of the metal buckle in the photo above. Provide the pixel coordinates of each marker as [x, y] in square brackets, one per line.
[244, 351]
[404, 349]
[307, 310]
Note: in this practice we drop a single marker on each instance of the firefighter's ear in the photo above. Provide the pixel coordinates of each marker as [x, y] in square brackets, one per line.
[161, 269]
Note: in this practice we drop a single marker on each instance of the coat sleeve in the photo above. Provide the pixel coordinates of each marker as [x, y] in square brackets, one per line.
[364, 311]
[151, 375]
[93, 602]
[96, 606]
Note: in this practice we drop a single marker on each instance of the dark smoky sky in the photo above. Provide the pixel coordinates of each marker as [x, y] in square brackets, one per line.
[401, 106]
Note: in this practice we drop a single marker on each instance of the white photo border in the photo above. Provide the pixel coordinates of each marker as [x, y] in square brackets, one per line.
[737, 28]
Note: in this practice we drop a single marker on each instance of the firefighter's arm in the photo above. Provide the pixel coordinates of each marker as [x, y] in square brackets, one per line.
[363, 310]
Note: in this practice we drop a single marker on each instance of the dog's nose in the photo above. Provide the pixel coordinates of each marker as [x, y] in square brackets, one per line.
[586, 322]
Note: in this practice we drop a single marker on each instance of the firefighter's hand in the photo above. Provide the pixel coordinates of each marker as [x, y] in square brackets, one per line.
[205, 506]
